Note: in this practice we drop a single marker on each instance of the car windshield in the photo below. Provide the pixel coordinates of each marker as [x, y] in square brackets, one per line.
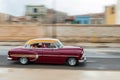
[59, 44]
[27, 46]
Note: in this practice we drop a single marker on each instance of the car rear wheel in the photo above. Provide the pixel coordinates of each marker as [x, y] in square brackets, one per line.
[23, 60]
[72, 61]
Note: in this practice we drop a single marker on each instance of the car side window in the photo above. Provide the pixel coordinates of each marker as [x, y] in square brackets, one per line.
[36, 45]
[52, 45]
[49, 45]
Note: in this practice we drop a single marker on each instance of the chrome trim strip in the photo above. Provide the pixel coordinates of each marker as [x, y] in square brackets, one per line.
[20, 55]
[61, 55]
[36, 56]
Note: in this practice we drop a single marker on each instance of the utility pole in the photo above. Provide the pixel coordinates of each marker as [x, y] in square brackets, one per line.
[118, 12]
[54, 19]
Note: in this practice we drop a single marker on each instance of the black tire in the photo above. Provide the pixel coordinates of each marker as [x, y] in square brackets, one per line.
[72, 61]
[23, 60]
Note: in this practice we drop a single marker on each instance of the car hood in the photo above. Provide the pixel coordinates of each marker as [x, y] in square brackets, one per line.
[70, 47]
[17, 47]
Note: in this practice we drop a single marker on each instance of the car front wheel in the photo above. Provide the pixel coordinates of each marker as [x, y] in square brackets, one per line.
[23, 60]
[72, 61]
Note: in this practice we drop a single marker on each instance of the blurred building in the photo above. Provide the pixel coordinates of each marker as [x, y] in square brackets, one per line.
[54, 16]
[4, 18]
[17, 19]
[36, 13]
[110, 14]
[96, 18]
[41, 14]
[60, 17]
[82, 19]
[70, 19]
[118, 12]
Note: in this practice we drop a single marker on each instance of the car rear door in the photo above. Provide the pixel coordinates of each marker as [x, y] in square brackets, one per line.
[38, 50]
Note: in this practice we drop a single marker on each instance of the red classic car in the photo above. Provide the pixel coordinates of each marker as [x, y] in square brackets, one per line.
[47, 50]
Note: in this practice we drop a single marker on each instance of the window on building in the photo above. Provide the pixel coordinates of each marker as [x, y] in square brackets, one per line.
[112, 10]
[80, 22]
[77, 22]
[100, 21]
[86, 22]
[34, 17]
[93, 21]
[35, 10]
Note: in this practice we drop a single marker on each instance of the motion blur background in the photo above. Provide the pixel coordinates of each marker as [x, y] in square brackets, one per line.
[70, 21]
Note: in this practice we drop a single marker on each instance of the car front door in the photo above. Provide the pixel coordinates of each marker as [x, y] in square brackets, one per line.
[52, 55]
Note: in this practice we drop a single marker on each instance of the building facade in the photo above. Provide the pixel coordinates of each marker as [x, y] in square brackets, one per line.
[54, 16]
[118, 12]
[97, 18]
[110, 14]
[41, 14]
[60, 17]
[35, 13]
[79, 19]
[4, 18]
[70, 20]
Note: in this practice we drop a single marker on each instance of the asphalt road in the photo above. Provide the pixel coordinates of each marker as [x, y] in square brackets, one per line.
[97, 59]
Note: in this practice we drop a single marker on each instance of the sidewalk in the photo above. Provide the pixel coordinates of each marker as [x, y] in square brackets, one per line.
[85, 45]
[56, 74]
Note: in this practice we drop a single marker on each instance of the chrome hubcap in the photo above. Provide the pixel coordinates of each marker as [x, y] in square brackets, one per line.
[72, 61]
[23, 60]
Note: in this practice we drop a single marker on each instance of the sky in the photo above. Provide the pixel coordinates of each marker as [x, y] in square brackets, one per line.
[71, 7]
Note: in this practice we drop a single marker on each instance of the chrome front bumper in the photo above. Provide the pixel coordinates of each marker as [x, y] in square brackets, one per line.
[83, 59]
[9, 59]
